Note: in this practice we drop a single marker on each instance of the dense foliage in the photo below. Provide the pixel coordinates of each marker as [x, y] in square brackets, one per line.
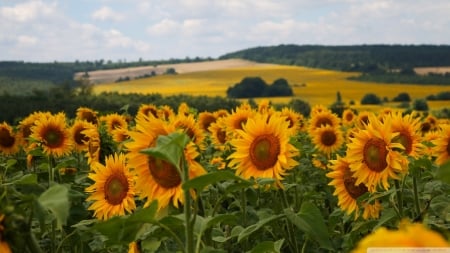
[252, 87]
[363, 58]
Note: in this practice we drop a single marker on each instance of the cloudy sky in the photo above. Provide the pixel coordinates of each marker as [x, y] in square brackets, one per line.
[68, 30]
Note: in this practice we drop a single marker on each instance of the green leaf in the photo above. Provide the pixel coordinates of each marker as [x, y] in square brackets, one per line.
[443, 172]
[10, 163]
[169, 148]
[125, 229]
[255, 227]
[211, 221]
[387, 216]
[268, 247]
[199, 183]
[27, 179]
[56, 200]
[310, 221]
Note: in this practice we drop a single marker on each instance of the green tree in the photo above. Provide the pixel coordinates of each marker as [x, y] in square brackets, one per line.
[370, 99]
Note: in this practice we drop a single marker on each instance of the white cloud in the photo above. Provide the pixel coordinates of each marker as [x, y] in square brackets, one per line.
[105, 13]
[28, 11]
[25, 40]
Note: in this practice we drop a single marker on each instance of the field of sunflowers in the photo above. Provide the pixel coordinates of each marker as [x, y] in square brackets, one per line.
[247, 180]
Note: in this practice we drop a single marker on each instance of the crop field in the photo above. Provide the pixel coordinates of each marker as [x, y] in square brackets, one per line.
[316, 86]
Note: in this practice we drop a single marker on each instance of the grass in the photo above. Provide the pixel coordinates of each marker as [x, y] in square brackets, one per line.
[315, 86]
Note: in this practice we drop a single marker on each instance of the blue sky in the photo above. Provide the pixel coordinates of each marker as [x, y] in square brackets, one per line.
[52, 30]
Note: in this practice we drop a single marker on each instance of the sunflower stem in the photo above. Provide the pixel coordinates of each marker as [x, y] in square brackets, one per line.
[32, 243]
[399, 197]
[290, 228]
[416, 196]
[189, 245]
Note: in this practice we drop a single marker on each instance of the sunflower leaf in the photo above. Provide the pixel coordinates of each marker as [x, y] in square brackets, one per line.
[56, 200]
[310, 221]
[268, 246]
[443, 173]
[125, 229]
[253, 228]
[169, 148]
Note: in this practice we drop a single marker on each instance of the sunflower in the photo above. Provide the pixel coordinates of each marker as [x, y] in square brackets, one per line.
[156, 178]
[348, 191]
[120, 135]
[25, 126]
[148, 109]
[362, 119]
[408, 129]
[205, 119]
[319, 108]
[80, 140]
[428, 124]
[264, 106]
[322, 118]
[237, 119]
[52, 134]
[218, 134]
[263, 149]
[87, 114]
[428, 139]
[9, 141]
[220, 113]
[409, 235]
[93, 145]
[348, 117]
[188, 125]
[113, 190]
[328, 139]
[183, 109]
[133, 247]
[441, 147]
[295, 119]
[165, 112]
[373, 156]
[114, 121]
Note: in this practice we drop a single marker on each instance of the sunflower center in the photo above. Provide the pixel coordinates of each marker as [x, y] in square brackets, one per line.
[115, 124]
[53, 137]
[448, 148]
[80, 138]
[6, 140]
[405, 140]
[165, 174]
[328, 138]
[264, 151]
[323, 121]
[89, 117]
[222, 136]
[425, 127]
[116, 188]
[355, 191]
[291, 122]
[375, 154]
[349, 117]
[240, 123]
[364, 119]
[151, 111]
[207, 121]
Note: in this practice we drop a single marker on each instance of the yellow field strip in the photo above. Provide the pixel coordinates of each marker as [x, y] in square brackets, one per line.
[314, 86]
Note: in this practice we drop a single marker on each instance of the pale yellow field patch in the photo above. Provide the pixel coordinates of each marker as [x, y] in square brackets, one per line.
[315, 86]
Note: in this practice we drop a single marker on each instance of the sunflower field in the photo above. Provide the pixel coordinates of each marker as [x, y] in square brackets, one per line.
[254, 179]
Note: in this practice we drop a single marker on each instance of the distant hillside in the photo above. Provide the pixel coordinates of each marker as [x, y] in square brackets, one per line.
[362, 58]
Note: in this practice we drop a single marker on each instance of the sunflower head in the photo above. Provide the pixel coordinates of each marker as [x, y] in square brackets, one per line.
[348, 117]
[52, 134]
[441, 147]
[205, 119]
[328, 139]
[323, 118]
[9, 141]
[263, 149]
[113, 190]
[147, 109]
[80, 140]
[87, 114]
[114, 121]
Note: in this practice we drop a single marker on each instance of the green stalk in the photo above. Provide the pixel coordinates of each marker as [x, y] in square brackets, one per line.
[290, 228]
[32, 243]
[416, 196]
[189, 246]
[399, 197]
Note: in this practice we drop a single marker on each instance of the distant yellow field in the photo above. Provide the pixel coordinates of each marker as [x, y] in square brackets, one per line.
[315, 86]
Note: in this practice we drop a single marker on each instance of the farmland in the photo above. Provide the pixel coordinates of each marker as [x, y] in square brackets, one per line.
[315, 86]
